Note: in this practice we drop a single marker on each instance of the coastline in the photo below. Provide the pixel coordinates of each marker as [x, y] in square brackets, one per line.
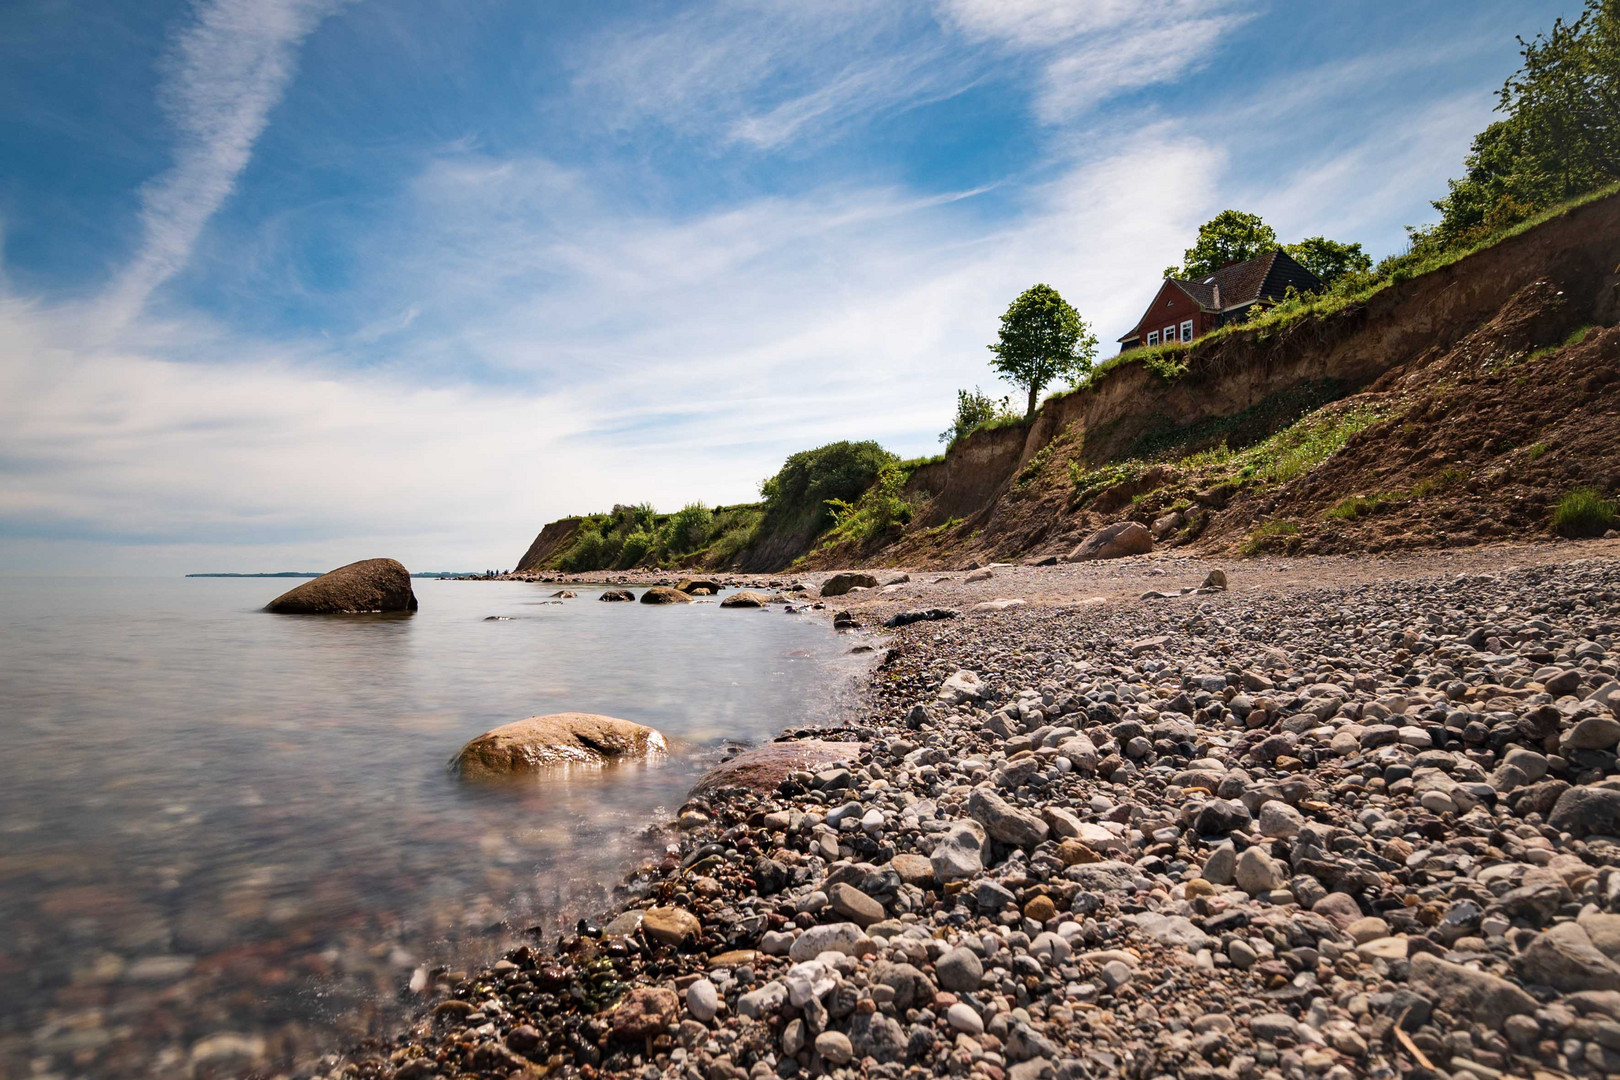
[1080, 935]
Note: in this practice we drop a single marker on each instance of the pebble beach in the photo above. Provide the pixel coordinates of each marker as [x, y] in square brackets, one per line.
[1334, 820]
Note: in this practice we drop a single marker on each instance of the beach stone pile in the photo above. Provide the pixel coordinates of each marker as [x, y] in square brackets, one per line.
[1368, 831]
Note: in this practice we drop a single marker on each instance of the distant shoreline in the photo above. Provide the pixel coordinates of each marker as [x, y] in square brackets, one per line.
[317, 573]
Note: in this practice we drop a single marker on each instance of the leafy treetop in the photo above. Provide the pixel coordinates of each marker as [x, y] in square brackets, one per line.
[1329, 260]
[1230, 236]
[1559, 136]
[1042, 338]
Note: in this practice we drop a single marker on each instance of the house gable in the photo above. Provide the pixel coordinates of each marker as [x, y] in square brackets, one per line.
[1172, 306]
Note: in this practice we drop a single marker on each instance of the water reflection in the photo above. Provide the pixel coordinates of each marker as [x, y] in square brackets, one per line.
[226, 835]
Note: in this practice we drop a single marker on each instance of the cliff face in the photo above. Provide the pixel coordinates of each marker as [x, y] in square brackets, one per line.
[1529, 291]
[1023, 489]
[553, 539]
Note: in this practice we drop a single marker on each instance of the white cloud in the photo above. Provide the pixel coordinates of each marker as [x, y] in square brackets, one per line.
[1093, 50]
[230, 66]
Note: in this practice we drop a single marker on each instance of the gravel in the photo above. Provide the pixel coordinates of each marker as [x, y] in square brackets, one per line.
[1364, 830]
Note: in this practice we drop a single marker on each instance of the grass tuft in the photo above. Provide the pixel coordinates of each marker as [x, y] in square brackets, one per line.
[1584, 512]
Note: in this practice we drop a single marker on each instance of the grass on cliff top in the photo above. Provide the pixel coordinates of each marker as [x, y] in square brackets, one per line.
[1170, 362]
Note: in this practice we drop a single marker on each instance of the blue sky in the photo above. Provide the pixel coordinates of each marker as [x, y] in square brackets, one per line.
[285, 283]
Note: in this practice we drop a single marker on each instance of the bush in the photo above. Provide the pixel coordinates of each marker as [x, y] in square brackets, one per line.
[637, 543]
[974, 409]
[810, 479]
[1584, 512]
[687, 529]
[591, 549]
[881, 507]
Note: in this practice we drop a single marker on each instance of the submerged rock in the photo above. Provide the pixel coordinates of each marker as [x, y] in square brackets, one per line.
[371, 585]
[617, 596]
[542, 742]
[763, 768]
[663, 594]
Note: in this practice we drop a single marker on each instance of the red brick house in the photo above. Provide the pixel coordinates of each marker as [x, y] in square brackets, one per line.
[1185, 310]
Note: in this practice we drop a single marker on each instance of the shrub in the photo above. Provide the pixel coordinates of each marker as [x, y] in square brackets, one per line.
[1584, 512]
[881, 507]
[1271, 534]
[637, 543]
[810, 479]
[591, 549]
[688, 528]
[974, 409]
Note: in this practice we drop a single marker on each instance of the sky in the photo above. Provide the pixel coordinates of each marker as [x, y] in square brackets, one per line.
[290, 283]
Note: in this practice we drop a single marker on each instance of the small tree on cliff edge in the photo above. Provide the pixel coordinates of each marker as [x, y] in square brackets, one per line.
[1042, 338]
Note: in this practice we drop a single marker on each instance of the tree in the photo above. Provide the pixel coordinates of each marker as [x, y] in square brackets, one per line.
[1559, 136]
[807, 480]
[1042, 338]
[1230, 236]
[974, 408]
[1328, 259]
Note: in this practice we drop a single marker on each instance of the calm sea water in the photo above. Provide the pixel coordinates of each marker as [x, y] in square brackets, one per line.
[227, 836]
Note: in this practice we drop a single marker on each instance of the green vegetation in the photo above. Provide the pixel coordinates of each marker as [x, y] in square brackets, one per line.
[1271, 535]
[1303, 446]
[975, 409]
[878, 511]
[1042, 338]
[629, 536]
[1584, 512]
[800, 495]
[1559, 136]
[1360, 505]
[1230, 236]
[1234, 236]
[1535, 450]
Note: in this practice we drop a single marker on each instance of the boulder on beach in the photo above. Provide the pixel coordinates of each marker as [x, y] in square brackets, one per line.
[746, 599]
[371, 585]
[617, 596]
[839, 584]
[1114, 542]
[663, 594]
[763, 768]
[543, 742]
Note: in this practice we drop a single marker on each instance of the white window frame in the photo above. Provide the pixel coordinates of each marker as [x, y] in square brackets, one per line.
[1153, 337]
[1187, 330]
[1169, 335]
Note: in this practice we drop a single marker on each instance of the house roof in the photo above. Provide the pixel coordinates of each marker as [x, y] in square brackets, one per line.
[1265, 277]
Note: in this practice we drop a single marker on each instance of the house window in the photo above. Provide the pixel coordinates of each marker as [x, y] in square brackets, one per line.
[1186, 330]
[1169, 333]
[1153, 337]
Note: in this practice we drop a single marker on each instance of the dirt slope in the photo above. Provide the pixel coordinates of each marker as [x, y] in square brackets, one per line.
[1456, 408]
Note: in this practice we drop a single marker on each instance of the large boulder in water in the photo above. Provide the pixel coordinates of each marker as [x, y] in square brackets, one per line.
[746, 599]
[698, 586]
[763, 768]
[368, 585]
[1114, 542]
[543, 742]
[839, 584]
[663, 594]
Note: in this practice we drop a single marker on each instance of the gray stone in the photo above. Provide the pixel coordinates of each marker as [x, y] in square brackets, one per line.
[843, 937]
[960, 853]
[1258, 873]
[959, 970]
[835, 1047]
[1005, 822]
[702, 1001]
[1466, 991]
[1221, 866]
[1587, 811]
[1565, 959]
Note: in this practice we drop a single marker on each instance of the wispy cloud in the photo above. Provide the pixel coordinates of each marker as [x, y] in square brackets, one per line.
[229, 67]
[767, 73]
[1094, 50]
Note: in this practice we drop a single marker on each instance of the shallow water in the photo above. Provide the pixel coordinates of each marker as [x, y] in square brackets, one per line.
[226, 834]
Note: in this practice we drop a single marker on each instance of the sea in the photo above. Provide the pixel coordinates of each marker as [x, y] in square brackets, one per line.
[230, 841]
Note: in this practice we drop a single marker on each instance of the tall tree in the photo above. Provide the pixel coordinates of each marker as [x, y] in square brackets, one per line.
[1042, 338]
[1559, 136]
[1230, 236]
[1328, 259]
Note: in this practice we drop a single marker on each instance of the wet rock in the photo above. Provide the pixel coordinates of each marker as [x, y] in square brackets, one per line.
[763, 768]
[561, 739]
[371, 585]
[746, 599]
[663, 594]
[671, 926]
[617, 596]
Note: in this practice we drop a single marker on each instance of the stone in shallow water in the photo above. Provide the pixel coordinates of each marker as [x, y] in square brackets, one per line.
[371, 585]
[542, 742]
